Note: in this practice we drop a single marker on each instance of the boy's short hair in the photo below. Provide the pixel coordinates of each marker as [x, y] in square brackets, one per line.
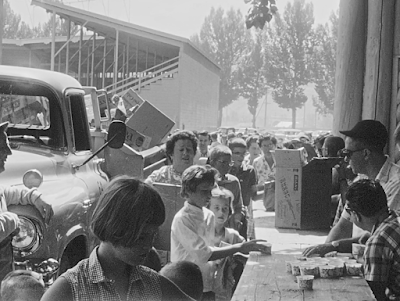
[187, 276]
[267, 138]
[219, 151]
[22, 285]
[237, 142]
[195, 175]
[203, 133]
[366, 197]
[124, 208]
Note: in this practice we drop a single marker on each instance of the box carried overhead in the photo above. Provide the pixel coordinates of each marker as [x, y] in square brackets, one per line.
[302, 191]
[149, 122]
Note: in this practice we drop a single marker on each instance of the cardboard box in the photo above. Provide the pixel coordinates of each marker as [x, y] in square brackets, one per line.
[137, 140]
[131, 99]
[151, 122]
[173, 202]
[302, 192]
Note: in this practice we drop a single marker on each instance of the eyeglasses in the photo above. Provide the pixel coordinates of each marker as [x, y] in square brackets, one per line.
[226, 163]
[347, 153]
[348, 209]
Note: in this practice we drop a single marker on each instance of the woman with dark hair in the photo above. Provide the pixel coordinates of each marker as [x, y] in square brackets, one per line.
[180, 148]
[125, 221]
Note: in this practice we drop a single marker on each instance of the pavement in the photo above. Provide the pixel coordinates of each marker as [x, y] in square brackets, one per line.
[288, 241]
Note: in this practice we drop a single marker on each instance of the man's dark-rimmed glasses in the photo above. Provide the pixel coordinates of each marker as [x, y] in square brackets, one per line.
[347, 153]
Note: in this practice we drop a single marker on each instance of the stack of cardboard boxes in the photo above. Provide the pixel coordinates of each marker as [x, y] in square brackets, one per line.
[146, 125]
[302, 191]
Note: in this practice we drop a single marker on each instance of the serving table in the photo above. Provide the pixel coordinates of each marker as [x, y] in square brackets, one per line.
[265, 278]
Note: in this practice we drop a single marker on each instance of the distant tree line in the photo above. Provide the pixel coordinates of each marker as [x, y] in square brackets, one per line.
[283, 57]
[15, 28]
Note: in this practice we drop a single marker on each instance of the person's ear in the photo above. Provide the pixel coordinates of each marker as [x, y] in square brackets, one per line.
[367, 153]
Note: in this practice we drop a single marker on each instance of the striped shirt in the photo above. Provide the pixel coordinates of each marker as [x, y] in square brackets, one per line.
[88, 282]
[382, 254]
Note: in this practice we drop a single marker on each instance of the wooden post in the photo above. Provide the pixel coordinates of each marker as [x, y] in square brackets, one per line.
[395, 99]
[350, 58]
[53, 40]
[1, 31]
[378, 63]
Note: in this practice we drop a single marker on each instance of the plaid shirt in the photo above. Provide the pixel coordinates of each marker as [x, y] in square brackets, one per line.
[382, 254]
[88, 282]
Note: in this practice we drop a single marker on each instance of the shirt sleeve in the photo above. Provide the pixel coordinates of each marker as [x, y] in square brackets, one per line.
[377, 260]
[153, 177]
[8, 223]
[191, 241]
[20, 195]
[238, 201]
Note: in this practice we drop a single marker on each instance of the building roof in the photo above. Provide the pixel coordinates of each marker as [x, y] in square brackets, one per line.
[156, 40]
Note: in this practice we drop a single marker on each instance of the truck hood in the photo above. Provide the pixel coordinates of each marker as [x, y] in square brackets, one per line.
[20, 161]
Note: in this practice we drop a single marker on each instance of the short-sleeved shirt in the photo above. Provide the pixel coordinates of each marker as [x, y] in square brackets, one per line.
[232, 183]
[165, 174]
[389, 178]
[192, 237]
[264, 171]
[247, 178]
[88, 282]
[382, 254]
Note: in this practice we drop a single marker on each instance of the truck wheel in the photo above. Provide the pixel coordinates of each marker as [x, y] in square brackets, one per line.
[75, 252]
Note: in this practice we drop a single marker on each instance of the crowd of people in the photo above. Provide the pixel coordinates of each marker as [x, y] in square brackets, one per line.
[220, 177]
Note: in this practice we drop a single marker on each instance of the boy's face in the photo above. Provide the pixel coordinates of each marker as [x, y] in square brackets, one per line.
[238, 154]
[201, 197]
[223, 164]
[220, 208]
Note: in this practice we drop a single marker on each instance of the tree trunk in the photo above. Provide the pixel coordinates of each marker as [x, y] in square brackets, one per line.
[253, 119]
[294, 118]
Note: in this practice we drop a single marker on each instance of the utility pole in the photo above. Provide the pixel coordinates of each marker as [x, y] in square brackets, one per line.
[1, 30]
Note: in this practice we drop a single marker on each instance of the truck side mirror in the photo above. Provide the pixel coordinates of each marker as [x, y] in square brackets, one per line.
[115, 139]
[116, 134]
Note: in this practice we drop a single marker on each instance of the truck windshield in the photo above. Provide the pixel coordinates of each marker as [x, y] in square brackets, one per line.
[26, 110]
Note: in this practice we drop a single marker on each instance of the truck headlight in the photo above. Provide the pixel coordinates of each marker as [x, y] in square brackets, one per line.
[29, 238]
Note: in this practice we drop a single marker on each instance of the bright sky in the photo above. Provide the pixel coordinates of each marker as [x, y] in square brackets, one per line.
[178, 17]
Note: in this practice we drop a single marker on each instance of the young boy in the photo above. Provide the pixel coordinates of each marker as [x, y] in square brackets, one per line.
[22, 285]
[193, 227]
[229, 269]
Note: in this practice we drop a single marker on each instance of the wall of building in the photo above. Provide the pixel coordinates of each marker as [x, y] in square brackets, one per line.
[164, 95]
[19, 56]
[199, 90]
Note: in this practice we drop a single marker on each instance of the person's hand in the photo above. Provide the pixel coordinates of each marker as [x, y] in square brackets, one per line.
[237, 217]
[363, 239]
[253, 245]
[45, 209]
[320, 250]
[11, 220]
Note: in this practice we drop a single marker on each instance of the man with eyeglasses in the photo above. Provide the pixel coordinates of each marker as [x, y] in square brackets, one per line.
[364, 152]
[366, 203]
[221, 160]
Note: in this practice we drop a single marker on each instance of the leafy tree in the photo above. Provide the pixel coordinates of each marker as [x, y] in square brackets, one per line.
[223, 37]
[252, 79]
[260, 12]
[13, 27]
[289, 49]
[324, 66]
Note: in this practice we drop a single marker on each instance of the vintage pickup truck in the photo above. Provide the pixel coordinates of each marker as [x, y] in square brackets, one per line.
[49, 131]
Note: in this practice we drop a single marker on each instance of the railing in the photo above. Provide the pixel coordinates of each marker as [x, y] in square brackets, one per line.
[146, 77]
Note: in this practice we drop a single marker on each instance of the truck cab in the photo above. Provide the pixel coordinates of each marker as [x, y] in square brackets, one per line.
[49, 131]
